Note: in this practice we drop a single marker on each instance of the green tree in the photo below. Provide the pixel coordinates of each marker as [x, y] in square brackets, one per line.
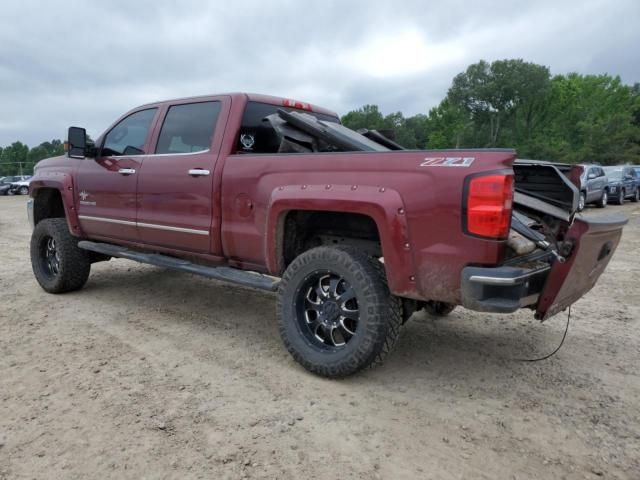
[368, 116]
[505, 99]
[447, 126]
[407, 131]
[14, 159]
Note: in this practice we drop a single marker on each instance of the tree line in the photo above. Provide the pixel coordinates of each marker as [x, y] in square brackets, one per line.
[516, 104]
[19, 159]
[507, 103]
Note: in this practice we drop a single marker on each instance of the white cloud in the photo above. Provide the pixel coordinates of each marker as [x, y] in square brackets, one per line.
[68, 62]
[401, 53]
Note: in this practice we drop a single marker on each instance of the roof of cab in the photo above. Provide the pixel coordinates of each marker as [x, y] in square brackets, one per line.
[253, 97]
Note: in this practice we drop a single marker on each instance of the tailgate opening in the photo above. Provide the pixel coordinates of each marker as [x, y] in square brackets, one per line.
[553, 257]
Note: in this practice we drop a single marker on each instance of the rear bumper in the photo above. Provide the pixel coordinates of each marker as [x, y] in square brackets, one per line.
[502, 289]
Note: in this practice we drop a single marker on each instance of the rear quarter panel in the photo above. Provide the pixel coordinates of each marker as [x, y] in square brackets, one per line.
[417, 209]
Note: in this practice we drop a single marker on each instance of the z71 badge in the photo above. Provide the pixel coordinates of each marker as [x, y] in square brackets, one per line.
[447, 161]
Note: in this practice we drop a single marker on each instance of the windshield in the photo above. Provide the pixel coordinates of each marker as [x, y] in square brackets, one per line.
[614, 174]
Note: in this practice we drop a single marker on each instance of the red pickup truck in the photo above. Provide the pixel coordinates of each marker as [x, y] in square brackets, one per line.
[352, 231]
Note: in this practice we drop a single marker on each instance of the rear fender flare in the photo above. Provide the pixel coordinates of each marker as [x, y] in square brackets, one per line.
[383, 205]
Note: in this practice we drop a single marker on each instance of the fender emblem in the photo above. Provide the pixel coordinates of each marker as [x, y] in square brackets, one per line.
[83, 199]
[447, 162]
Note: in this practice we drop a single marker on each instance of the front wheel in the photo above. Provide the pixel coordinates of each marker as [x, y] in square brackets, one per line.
[621, 197]
[336, 313]
[582, 201]
[23, 190]
[636, 197]
[58, 264]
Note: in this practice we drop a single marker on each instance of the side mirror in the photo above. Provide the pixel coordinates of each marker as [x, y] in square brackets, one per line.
[591, 176]
[628, 177]
[77, 139]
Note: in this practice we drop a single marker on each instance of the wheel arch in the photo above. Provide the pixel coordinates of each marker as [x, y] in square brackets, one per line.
[53, 198]
[382, 207]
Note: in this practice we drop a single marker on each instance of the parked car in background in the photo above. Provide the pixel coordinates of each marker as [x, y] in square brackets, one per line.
[594, 187]
[21, 187]
[7, 183]
[623, 183]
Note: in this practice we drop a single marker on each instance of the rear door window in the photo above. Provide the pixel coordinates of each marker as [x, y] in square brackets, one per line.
[188, 128]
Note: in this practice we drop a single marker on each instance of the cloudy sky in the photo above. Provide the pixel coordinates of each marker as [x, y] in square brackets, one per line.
[74, 63]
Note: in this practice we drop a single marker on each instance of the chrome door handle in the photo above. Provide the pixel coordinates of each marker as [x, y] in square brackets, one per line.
[127, 171]
[198, 172]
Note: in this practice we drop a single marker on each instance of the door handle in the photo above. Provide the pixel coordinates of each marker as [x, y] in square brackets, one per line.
[127, 171]
[198, 172]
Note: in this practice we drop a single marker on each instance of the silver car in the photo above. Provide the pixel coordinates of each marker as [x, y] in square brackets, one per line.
[594, 187]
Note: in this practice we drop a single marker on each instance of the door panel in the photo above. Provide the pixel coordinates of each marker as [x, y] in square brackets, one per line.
[106, 199]
[176, 184]
[106, 190]
[175, 207]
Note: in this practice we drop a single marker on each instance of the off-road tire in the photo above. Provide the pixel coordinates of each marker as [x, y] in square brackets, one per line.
[73, 263]
[380, 313]
[604, 199]
[438, 309]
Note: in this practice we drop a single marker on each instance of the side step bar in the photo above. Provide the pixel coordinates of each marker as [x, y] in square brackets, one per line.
[226, 274]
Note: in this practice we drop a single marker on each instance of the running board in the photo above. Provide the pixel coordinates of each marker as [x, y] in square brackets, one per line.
[226, 274]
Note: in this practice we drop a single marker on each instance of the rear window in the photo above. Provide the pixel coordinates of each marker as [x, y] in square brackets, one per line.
[257, 136]
[614, 174]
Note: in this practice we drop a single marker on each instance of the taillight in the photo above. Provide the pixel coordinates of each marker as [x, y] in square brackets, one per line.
[296, 104]
[488, 205]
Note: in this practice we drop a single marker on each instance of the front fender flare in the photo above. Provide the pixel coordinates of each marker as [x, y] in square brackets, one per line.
[63, 182]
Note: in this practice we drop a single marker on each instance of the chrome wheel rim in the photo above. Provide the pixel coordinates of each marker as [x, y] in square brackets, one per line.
[327, 310]
[50, 256]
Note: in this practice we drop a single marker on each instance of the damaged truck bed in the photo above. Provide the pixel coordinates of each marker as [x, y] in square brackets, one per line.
[546, 240]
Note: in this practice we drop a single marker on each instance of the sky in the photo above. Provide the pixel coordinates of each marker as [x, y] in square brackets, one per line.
[85, 63]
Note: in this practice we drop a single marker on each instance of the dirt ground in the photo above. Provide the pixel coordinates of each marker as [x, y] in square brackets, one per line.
[147, 373]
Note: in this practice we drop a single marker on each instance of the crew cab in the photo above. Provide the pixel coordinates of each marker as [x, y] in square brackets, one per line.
[352, 231]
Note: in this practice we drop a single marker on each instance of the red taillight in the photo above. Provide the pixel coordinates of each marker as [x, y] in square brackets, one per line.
[489, 203]
[296, 104]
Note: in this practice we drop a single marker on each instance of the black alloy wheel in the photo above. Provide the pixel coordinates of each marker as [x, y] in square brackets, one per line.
[328, 310]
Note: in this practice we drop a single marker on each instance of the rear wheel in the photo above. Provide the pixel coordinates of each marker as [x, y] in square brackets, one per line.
[336, 313]
[58, 264]
[582, 201]
[603, 200]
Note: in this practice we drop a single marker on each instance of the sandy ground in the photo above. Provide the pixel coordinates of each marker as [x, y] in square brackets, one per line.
[153, 374]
